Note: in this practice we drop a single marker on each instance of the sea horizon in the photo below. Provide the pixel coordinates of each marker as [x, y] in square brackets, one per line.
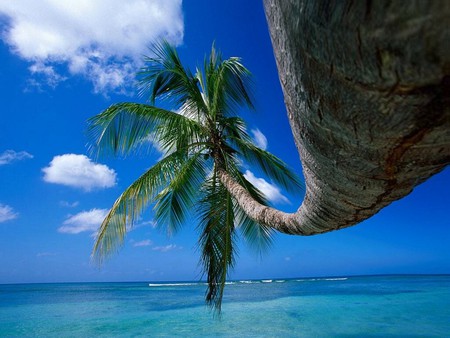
[200, 281]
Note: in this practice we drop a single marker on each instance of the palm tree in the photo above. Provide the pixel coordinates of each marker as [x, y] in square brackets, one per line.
[204, 142]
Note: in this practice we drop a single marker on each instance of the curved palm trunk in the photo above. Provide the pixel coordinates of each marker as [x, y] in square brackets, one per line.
[366, 85]
[291, 223]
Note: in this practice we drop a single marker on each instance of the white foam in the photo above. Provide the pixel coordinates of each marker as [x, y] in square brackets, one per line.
[340, 278]
[321, 279]
[172, 284]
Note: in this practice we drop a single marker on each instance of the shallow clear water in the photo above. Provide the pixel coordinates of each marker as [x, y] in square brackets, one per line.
[375, 306]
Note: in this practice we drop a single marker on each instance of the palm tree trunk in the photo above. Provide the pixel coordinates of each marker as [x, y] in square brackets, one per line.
[297, 223]
[367, 88]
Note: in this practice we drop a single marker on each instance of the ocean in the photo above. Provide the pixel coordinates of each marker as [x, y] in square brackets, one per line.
[363, 306]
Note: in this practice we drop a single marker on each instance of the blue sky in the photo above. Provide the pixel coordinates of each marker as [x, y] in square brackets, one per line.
[62, 63]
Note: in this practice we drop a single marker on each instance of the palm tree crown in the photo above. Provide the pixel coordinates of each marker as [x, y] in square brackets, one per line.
[201, 138]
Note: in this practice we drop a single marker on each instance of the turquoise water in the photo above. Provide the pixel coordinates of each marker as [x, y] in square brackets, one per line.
[376, 306]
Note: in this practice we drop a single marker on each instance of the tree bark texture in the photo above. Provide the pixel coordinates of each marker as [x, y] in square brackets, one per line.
[366, 86]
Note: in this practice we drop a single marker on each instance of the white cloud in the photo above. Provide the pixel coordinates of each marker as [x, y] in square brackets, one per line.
[67, 204]
[102, 40]
[7, 213]
[152, 224]
[166, 248]
[259, 138]
[145, 242]
[79, 171]
[9, 156]
[271, 191]
[46, 71]
[84, 221]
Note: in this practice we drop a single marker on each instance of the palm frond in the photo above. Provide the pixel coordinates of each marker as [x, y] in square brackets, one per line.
[175, 202]
[164, 77]
[173, 135]
[124, 127]
[131, 203]
[216, 240]
[271, 165]
[227, 84]
[258, 236]
[214, 89]
[238, 86]
[233, 126]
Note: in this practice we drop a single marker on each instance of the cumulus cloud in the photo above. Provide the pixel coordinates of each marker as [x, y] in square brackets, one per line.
[145, 242]
[79, 171]
[259, 138]
[271, 191]
[166, 248]
[85, 221]
[9, 156]
[102, 40]
[7, 213]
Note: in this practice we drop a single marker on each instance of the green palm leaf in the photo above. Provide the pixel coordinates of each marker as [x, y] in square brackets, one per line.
[238, 83]
[176, 201]
[258, 236]
[234, 130]
[217, 241]
[271, 165]
[227, 85]
[126, 126]
[131, 203]
[164, 77]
